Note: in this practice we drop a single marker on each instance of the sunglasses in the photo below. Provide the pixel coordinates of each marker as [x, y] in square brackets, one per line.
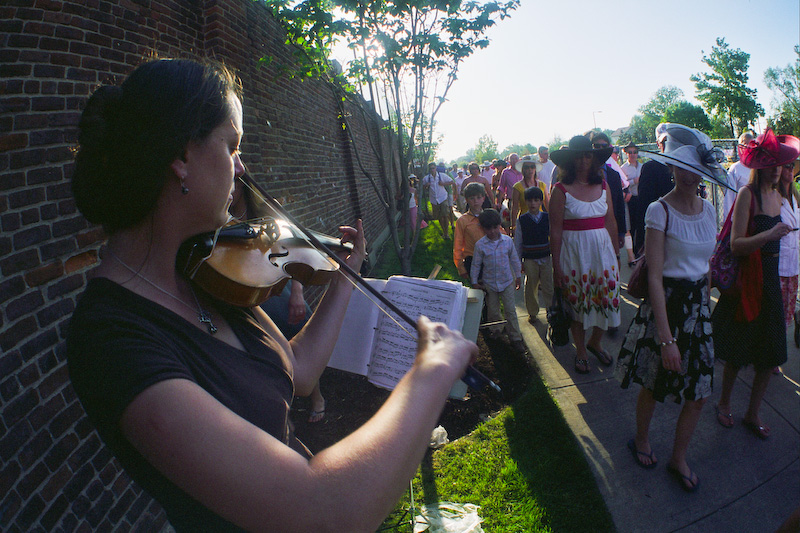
[600, 145]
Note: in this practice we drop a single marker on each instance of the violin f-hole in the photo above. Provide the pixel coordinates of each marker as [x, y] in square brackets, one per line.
[272, 255]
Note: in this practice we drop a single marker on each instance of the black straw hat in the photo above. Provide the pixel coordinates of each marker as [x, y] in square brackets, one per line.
[578, 145]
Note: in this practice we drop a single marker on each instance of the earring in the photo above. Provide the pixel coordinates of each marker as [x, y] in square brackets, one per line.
[184, 188]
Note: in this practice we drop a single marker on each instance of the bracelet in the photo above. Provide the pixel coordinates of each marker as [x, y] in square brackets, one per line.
[671, 341]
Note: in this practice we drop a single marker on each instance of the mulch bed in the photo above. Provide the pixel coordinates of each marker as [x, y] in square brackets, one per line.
[351, 400]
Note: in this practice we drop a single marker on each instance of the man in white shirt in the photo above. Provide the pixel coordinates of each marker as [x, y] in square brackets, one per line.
[438, 186]
[632, 169]
[546, 173]
[487, 172]
[738, 177]
[461, 202]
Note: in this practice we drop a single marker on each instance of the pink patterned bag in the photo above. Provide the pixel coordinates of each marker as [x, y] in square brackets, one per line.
[724, 266]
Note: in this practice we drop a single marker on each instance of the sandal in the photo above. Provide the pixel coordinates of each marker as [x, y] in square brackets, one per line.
[636, 453]
[725, 419]
[316, 416]
[762, 432]
[583, 363]
[601, 355]
[680, 478]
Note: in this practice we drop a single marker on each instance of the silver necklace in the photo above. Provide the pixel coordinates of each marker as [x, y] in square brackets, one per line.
[202, 315]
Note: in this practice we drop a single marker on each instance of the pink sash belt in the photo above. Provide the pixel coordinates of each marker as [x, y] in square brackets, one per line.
[582, 224]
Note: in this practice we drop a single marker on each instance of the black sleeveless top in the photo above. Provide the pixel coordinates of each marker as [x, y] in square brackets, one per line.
[120, 343]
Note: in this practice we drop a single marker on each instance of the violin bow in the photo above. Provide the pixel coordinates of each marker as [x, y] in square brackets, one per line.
[473, 377]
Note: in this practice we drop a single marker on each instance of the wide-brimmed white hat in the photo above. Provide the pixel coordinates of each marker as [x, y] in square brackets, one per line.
[486, 164]
[518, 166]
[691, 150]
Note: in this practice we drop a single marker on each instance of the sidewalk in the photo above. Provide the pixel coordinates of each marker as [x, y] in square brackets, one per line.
[746, 484]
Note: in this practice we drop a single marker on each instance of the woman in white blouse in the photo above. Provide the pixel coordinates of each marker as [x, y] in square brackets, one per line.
[668, 349]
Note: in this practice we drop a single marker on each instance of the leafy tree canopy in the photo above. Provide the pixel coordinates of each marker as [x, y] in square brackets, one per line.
[486, 149]
[724, 90]
[643, 125]
[785, 83]
[688, 114]
[519, 149]
[407, 56]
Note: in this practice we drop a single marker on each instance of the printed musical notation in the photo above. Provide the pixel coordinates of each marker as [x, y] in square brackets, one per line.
[375, 346]
[395, 345]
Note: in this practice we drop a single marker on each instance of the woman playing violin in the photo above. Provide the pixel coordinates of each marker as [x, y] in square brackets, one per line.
[190, 393]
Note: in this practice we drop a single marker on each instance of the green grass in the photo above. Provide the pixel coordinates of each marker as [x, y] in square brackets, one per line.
[432, 249]
[524, 468]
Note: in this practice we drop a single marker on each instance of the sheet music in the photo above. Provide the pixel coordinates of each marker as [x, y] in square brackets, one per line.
[393, 349]
[354, 346]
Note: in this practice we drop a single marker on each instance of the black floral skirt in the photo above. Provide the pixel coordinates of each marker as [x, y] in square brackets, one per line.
[689, 317]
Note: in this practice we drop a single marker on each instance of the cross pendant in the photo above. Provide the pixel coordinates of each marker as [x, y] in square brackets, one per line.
[205, 318]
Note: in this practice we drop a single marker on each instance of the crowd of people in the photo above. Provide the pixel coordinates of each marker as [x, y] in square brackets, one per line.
[192, 393]
[568, 233]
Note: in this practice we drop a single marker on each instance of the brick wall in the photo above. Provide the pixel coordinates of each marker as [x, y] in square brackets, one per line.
[55, 474]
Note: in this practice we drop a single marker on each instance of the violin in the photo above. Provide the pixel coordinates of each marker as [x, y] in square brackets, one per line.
[245, 263]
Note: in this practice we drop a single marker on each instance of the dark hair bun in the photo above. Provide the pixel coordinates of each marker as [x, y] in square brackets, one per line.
[90, 180]
[130, 135]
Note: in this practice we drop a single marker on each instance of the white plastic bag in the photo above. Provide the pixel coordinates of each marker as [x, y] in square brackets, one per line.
[438, 438]
[448, 517]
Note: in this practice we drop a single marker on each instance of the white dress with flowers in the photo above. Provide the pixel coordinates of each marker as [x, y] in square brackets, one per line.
[589, 264]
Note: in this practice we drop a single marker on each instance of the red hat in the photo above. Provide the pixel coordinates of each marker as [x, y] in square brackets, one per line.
[769, 150]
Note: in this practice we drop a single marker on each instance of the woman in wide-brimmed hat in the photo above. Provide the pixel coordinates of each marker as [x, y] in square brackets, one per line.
[583, 239]
[668, 348]
[749, 327]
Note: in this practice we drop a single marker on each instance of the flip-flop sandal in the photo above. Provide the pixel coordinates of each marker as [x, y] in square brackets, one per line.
[762, 432]
[636, 453]
[584, 363]
[316, 416]
[601, 355]
[680, 478]
[725, 419]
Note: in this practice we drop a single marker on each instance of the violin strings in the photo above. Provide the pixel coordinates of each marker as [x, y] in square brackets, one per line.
[352, 282]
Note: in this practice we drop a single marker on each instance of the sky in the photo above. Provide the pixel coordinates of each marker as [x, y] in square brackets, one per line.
[557, 68]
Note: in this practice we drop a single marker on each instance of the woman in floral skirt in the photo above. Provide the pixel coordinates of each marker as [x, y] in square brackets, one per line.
[583, 239]
[668, 349]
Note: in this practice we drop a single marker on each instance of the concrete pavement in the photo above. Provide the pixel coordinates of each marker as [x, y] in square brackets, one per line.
[747, 484]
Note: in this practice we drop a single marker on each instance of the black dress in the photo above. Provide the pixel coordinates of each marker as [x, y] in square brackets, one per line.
[761, 342]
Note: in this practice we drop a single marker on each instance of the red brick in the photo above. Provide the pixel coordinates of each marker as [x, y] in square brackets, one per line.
[80, 261]
[44, 274]
[55, 483]
[13, 141]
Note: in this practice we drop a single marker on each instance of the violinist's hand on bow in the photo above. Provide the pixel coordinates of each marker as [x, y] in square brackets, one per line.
[443, 351]
[354, 235]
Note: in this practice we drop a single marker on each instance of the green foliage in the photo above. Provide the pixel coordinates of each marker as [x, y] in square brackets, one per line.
[555, 143]
[407, 55]
[413, 50]
[663, 98]
[724, 90]
[519, 149]
[785, 83]
[642, 127]
[486, 149]
[688, 114]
